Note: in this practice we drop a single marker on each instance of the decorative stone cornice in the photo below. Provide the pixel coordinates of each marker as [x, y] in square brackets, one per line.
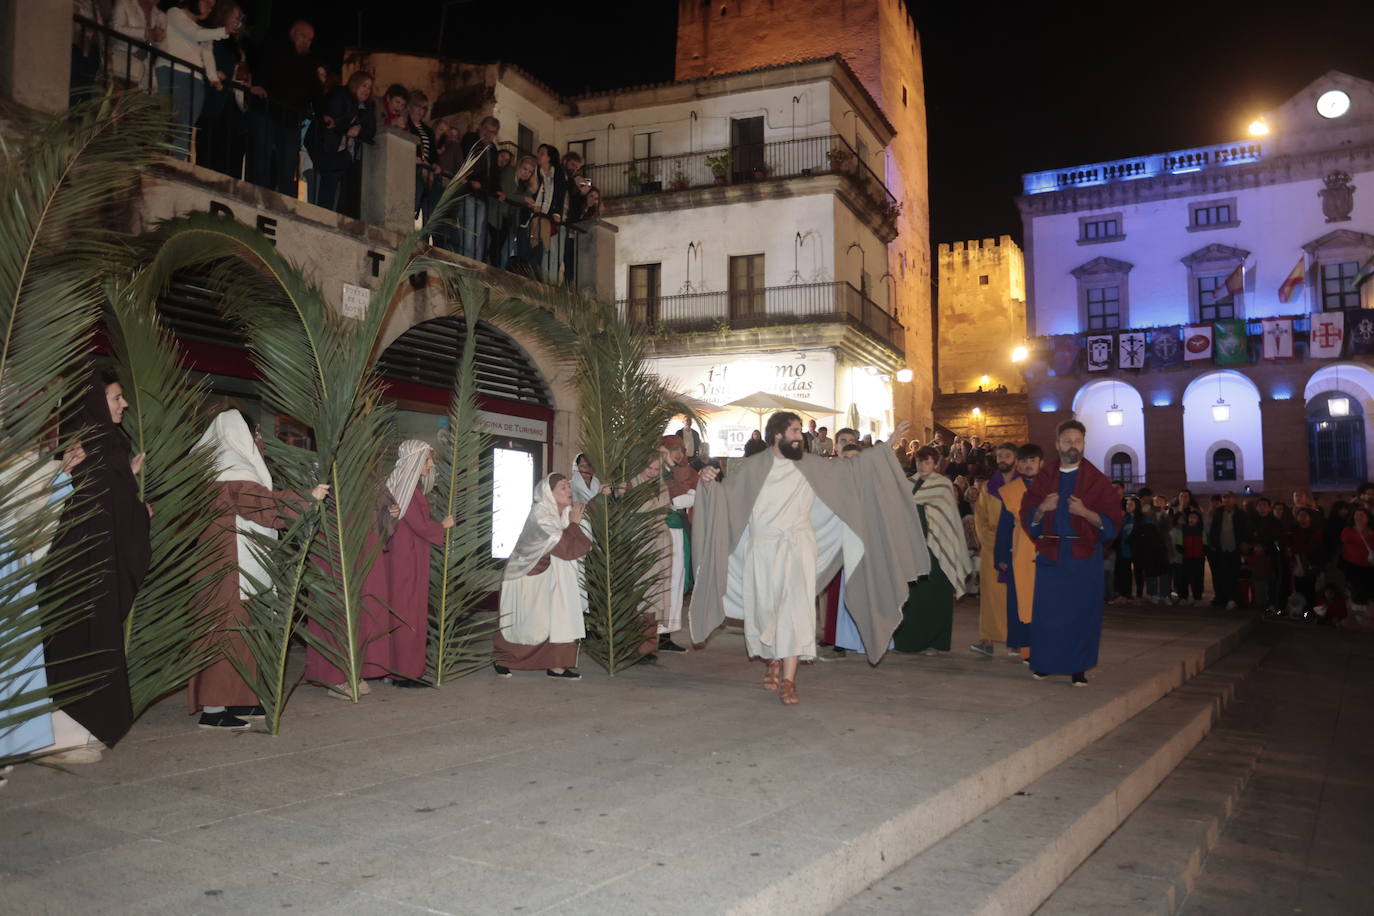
[1099, 266]
[1208, 182]
[1340, 238]
[1213, 253]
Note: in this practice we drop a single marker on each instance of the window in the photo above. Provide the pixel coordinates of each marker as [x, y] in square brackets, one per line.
[1121, 469]
[746, 147]
[1223, 464]
[1338, 291]
[1207, 310]
[1101, 229]
[524, 140]
[1336, 440]
[583, 148]
[1104, 307]
[1212, 214]
[982, 279]
[645, 289]
[746, 285]
[904, 96]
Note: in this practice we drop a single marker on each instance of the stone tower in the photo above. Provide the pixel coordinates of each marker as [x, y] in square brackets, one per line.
[878, 39]
[982, 313]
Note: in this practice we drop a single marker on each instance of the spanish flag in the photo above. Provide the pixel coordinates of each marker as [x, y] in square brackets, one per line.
[1292, 281]
[1233, 284]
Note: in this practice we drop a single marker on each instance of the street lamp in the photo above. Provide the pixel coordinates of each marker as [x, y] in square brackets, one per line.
[1019, 354]
[1258, 128]
[905, 375]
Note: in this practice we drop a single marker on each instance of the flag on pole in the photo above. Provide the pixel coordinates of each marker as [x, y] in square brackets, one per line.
[1326, 339]
[1197, 342]
[1291, 282]
[1230, 343]
[1364, 273]
[1233, 284]
[1130, 350]
[1099, 352]
[1278, 338]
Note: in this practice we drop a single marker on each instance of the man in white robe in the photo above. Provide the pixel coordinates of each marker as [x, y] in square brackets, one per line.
[774, 533]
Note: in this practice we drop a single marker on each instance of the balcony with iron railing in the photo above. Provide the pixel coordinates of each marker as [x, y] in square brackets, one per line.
[771, 306]
[744, 164]
[1179, 162]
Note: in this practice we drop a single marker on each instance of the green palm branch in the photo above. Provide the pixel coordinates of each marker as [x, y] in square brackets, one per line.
[167, 634]
[57, 181]
[463, 572]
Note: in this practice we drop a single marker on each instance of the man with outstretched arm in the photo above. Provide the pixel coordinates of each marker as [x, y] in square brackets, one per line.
[770, 536]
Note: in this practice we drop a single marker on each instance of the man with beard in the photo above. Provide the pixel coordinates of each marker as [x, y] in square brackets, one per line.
[768, 538]
[992, 582]
[1069, 511]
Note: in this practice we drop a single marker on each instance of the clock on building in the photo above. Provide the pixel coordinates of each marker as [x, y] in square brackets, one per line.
[1333, 103]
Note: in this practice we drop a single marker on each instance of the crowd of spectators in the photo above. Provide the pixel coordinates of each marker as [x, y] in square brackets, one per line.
[270, 112]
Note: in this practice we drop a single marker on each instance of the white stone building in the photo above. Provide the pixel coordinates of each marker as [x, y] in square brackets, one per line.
[1139, 245]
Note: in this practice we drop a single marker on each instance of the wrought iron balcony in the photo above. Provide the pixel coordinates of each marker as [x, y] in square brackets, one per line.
[800, 303]
[742, 164]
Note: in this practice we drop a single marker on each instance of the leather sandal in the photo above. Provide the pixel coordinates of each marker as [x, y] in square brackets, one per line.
[788, 692]
[770, 680]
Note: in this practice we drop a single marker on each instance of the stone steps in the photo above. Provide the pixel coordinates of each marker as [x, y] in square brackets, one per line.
[1013, 856]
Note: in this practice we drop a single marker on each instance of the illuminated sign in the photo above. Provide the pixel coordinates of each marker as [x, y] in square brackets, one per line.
[512, 494]
[804, 375]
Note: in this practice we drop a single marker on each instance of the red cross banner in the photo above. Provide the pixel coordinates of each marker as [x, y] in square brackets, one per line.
[1278, 338]
[1326, 339]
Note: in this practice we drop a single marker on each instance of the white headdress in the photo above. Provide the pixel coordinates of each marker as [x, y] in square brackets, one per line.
[410, 465]
[237, 458]
[543, 529]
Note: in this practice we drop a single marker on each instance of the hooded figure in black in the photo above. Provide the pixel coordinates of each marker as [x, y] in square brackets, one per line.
[104, 533]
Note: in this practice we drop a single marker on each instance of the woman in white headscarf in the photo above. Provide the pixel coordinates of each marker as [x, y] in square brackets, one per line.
[408, 562]
[542, 599]
[585, 486]
[249, 509]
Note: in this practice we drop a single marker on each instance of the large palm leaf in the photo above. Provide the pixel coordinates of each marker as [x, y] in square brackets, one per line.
[167, 631]
[58, 181]
[463, 572]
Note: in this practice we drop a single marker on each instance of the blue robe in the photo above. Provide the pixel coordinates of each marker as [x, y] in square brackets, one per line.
[846, 631]
[1066, 627]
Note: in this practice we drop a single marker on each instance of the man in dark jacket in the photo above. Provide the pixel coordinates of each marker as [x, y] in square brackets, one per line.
[1227, 530]
[482, 182]
[286, 84]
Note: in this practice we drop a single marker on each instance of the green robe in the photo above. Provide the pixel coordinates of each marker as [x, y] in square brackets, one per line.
[928, 615]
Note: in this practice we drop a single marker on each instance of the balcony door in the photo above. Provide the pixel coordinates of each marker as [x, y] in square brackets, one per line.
[746, 286]
[645, 289]
[746, 147]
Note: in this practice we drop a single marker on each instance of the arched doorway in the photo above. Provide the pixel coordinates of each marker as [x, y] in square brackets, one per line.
[1336, 440]
[1221, 413]
[1114, 414]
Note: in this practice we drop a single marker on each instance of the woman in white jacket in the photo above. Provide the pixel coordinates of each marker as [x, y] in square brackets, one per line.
[194, 46]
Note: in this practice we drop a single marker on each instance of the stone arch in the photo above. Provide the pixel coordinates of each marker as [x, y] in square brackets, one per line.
[1242, 430]
[1137, 464]
[1091, 406]
[1355, 380]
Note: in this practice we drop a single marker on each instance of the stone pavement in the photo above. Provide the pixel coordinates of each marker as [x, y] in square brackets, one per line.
[676, 788]
[1301, 838]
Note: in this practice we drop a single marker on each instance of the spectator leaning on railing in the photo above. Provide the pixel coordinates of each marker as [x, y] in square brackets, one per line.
[142, 21]
[287, 84]
[186, 40]
[220, 134]
[345, 124]
[428, 186]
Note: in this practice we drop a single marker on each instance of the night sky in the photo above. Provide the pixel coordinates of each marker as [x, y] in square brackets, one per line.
[1009, 89]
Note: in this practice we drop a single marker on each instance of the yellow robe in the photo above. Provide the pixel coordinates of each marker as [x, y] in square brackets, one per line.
[992, 595]
[1022, 550]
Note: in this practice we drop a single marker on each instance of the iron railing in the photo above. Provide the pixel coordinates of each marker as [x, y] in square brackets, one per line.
[801, 303]
[496, 237]
[741, 164]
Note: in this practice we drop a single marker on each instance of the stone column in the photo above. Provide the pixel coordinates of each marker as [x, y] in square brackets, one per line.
[596, 260]
[389, 181]
[1165, 468]
[1284, 428]
[36, 53]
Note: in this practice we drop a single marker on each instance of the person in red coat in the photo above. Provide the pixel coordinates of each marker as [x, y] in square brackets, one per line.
[407, 558]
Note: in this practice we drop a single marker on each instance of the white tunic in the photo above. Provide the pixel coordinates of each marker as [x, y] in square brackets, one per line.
[778, 556]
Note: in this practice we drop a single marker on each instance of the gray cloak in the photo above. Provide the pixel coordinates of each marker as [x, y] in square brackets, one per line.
[864, 519]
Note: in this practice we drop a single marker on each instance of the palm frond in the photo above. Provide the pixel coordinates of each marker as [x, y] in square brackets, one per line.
[58, 180]
[167, 632]
[462, 571]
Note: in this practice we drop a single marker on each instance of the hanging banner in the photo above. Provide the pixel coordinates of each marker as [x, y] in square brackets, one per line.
[1165, 348]
[1130, 349]
[1359, 327]
[1326, 339]
[1197, 342]
[1064, 359]
[1278, 338]
[1099, 352]
[1230, 345]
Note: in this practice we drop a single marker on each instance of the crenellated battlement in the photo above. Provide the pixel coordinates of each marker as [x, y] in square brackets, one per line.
[976, 248]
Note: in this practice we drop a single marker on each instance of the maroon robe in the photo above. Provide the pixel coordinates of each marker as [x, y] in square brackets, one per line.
[407, 558]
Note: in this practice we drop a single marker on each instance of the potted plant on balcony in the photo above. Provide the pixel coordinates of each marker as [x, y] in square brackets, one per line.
[840, 158]
[760, 171]
[679, 179]
[892, 210]
[640, 182]
[719, 165]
